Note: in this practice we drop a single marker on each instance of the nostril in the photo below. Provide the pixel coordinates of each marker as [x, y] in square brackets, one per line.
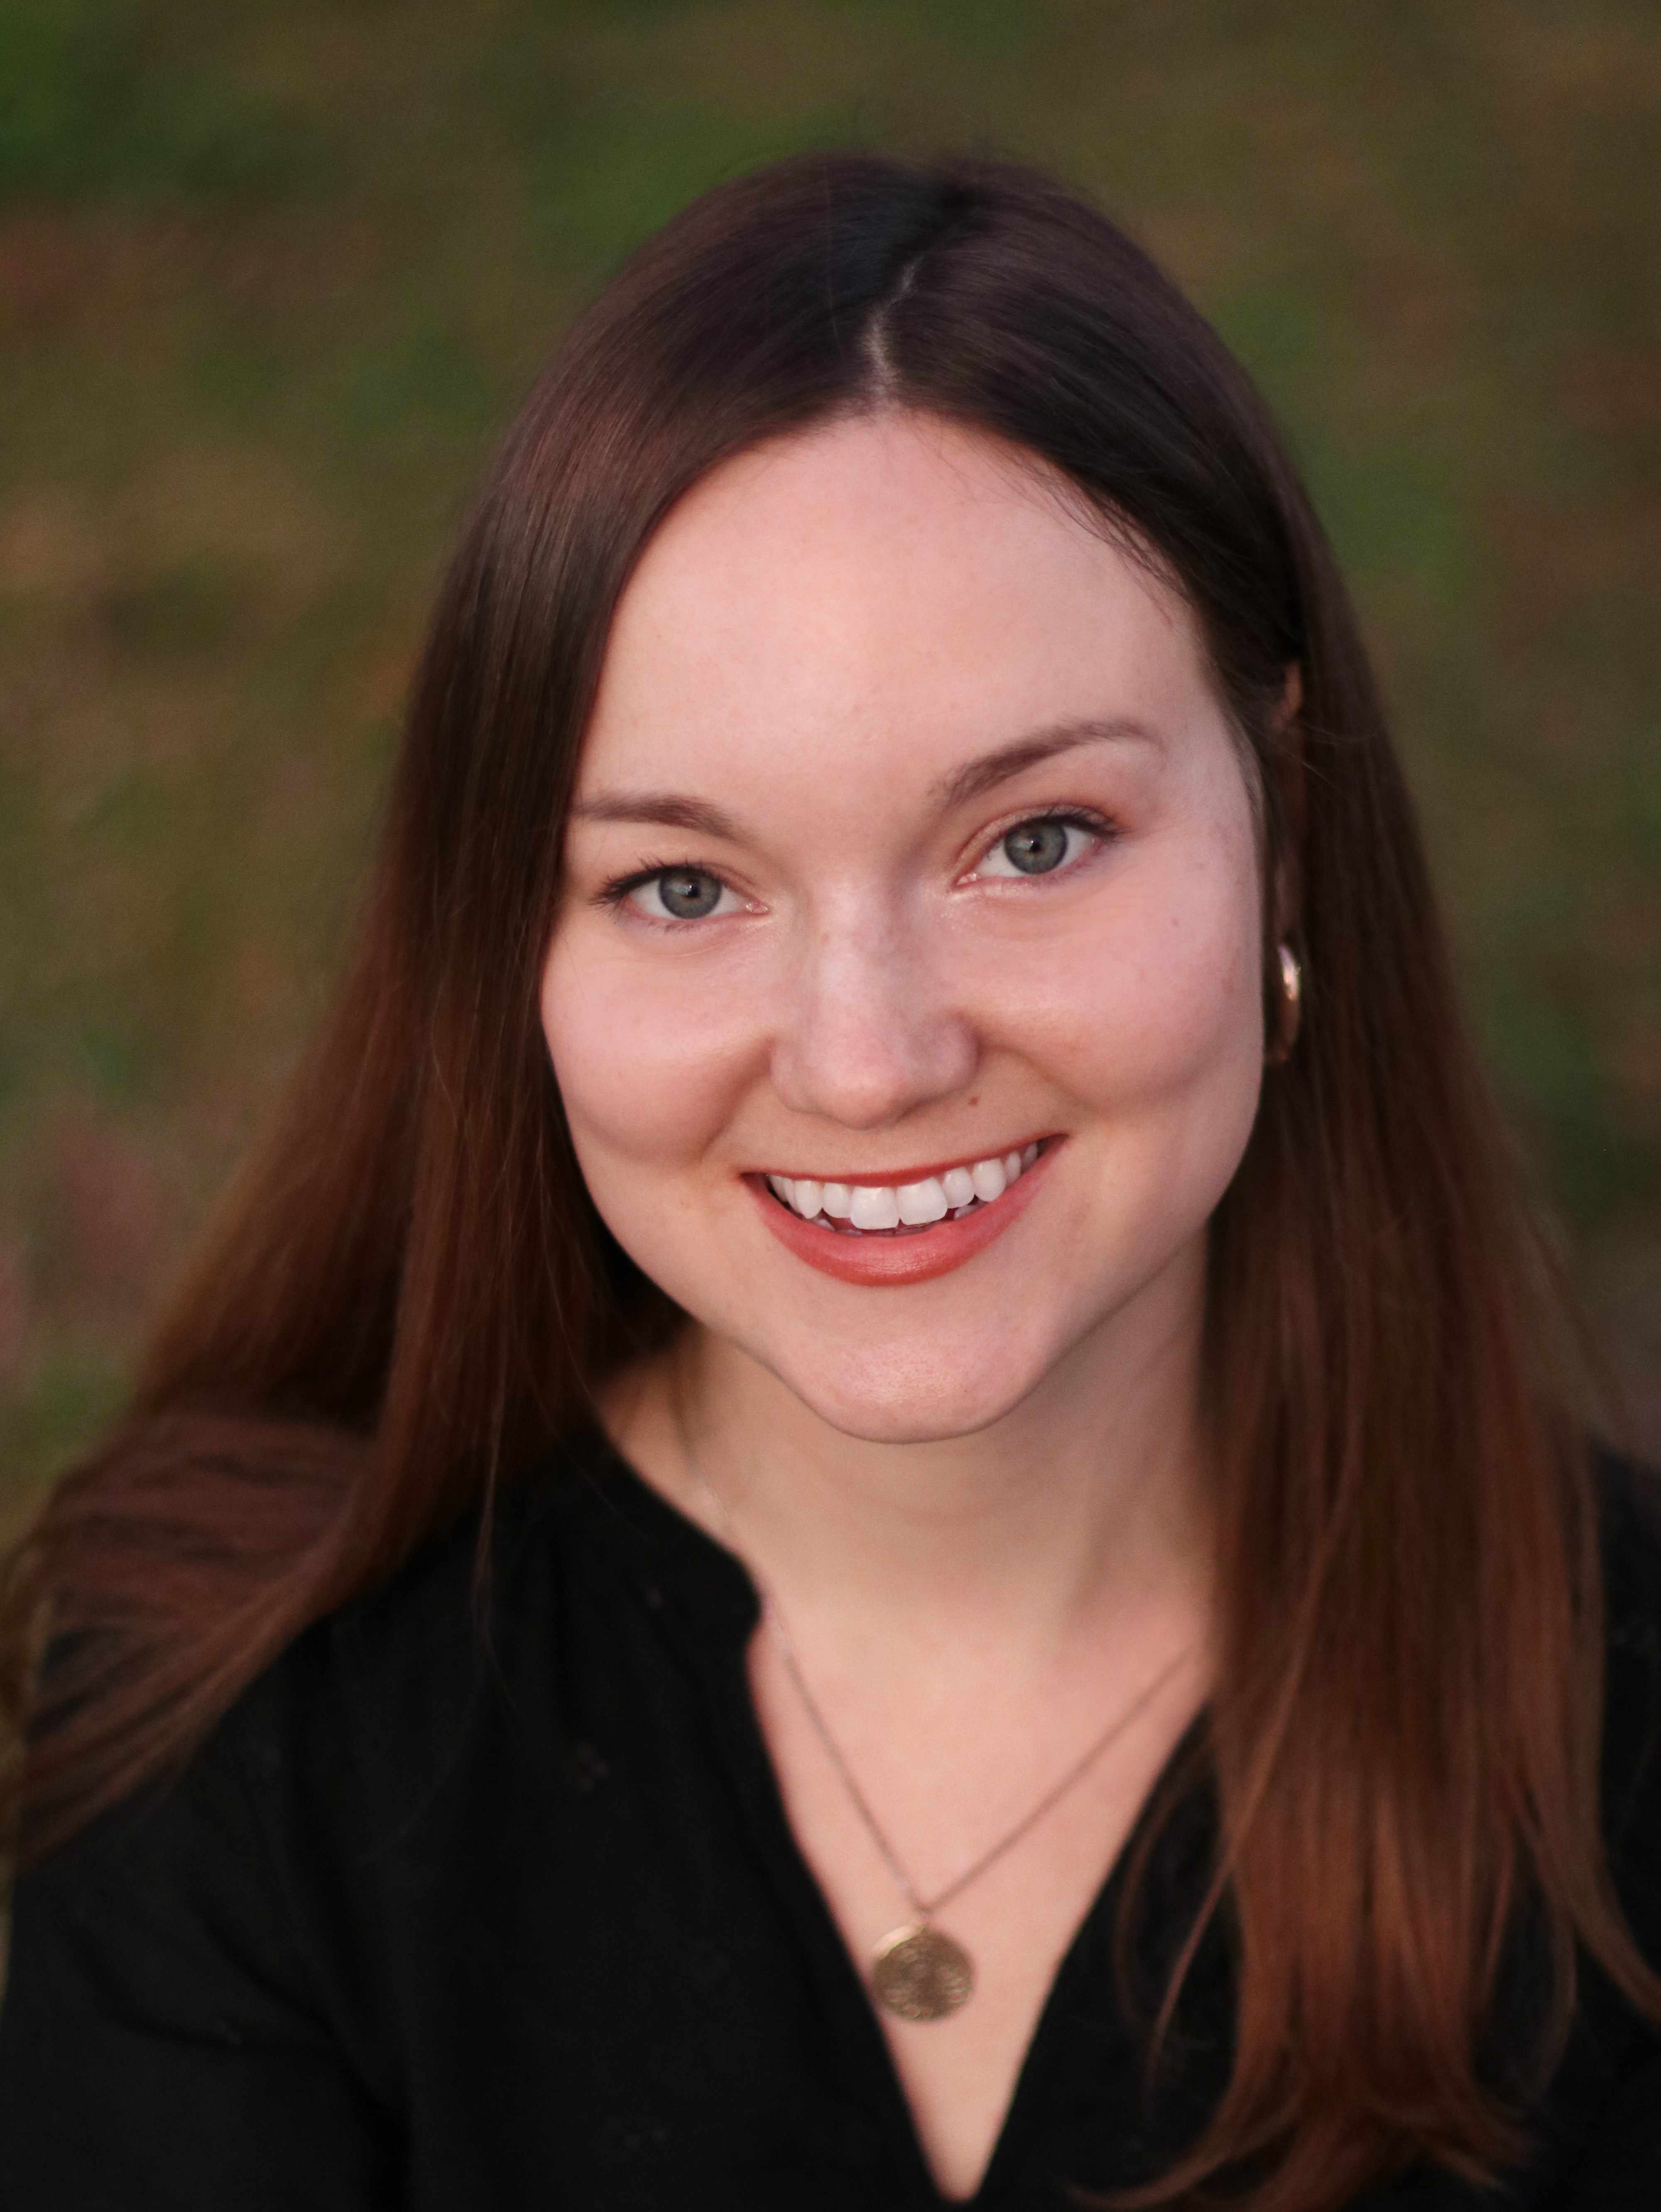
[866, 1067]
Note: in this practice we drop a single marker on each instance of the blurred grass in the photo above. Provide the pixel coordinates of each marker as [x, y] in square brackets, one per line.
[272, 277]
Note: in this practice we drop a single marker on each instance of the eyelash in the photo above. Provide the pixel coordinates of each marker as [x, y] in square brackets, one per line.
[1070, 818]
[614, 893]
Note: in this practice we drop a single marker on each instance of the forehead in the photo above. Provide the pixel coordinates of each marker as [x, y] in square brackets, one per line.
[877, 590]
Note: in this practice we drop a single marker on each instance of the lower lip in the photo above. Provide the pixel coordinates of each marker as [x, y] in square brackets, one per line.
[914, 1259]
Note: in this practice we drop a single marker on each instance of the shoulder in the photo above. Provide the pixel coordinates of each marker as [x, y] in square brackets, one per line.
[393, 1670]
[1630, 1511]
[389, 1690]
[375, 1761]
[1629, 1505]
[1630, 1516]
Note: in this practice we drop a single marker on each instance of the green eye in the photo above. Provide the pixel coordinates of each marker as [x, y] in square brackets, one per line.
[1035, 848]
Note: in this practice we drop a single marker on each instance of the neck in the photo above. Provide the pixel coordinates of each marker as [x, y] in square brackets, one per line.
[1086, 1498]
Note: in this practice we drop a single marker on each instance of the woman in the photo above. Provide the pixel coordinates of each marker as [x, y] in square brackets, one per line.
[870, 1502]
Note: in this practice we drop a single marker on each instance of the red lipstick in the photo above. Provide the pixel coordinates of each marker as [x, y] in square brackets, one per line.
[917, 1256]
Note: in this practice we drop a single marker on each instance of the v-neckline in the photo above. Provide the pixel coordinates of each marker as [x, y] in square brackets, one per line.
[750, 1763]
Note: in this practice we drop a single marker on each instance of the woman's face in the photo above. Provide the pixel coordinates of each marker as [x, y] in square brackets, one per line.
[910, 836]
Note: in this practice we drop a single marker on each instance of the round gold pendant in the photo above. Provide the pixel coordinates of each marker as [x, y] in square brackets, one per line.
[920, 1973]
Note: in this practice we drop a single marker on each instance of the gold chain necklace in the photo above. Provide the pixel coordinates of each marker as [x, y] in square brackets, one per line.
[917, 1970]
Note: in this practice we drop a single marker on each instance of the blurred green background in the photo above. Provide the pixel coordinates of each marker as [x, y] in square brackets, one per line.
[273, 275]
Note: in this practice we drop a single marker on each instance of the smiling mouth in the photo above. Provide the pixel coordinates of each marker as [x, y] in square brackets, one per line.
[904, 1209]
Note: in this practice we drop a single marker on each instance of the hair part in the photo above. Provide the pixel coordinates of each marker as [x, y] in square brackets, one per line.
[409, 1296]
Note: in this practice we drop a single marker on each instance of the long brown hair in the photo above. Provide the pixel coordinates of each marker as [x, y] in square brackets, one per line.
[409, 1295]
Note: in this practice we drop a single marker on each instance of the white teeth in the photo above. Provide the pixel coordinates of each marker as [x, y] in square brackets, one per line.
[989, 1180]
[877, 1207]
[922, 1202]
[958, 1185]
[913, 1204]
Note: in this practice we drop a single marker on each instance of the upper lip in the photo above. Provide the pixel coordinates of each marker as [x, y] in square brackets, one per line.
[864, 1179]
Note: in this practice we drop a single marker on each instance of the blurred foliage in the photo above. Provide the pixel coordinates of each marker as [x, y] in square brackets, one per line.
[273, 277]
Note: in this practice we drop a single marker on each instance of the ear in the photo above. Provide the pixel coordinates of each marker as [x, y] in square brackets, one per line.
[1287, 774]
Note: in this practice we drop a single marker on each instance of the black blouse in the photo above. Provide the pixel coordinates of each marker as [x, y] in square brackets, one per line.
[490, 1904]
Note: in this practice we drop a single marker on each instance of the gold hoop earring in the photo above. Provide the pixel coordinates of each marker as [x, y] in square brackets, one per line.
[1289, 1010]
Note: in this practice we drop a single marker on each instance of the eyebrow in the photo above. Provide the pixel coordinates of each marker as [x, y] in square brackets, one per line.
[671, 810]
[977, 777]
[663, 807]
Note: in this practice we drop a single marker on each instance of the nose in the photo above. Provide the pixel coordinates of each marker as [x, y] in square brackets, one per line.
[871, 1033]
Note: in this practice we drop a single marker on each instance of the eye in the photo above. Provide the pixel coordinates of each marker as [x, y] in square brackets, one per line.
[1039, 846]
[681, 895]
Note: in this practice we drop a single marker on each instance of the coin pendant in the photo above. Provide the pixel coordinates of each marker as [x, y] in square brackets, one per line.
[920, 1973]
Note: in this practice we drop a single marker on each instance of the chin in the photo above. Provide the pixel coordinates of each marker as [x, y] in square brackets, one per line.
[906, 1394]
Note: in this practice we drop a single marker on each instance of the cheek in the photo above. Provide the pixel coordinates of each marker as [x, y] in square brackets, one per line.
[1154, 1033]
[1163, 1058]
[1162, 1011]
[647, 1065]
